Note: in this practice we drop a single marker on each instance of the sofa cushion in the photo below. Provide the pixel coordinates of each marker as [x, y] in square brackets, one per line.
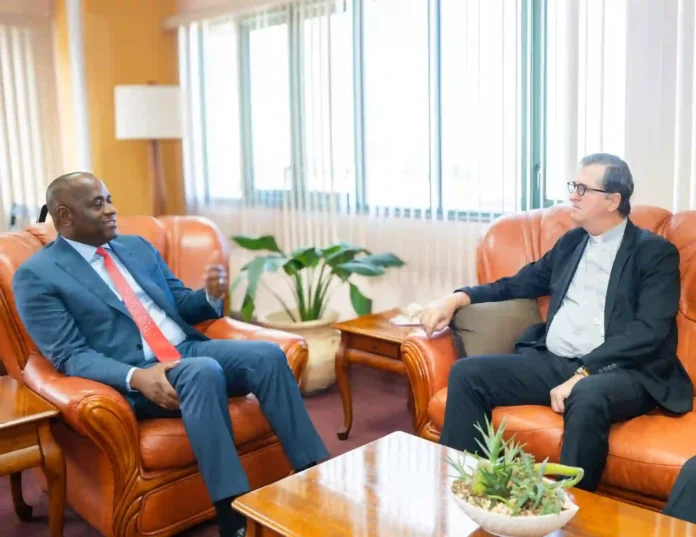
[164, 444]
[645, 453]
[494, 327]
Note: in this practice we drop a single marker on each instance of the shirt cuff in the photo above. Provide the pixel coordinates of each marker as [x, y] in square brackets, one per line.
[216, 304]
[128, 379]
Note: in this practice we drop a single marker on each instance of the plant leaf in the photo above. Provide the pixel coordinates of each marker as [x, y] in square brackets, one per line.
[264, 242]
[361, 304]
[325, 252]
[248, 307]
[307, 257]
[383, 260]
[343, 275]
[359, 267]
[344, 254]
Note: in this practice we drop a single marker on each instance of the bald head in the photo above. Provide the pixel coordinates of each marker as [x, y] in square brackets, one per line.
[81, 208]
[63, 190]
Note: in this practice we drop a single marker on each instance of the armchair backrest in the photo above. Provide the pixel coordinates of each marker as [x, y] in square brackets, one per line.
[517, 239]
[186, 243]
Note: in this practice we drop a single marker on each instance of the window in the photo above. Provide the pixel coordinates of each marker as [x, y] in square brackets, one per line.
[221, 107]
[458, 106]
[328, 123]
[481, 121]
[396, 97]
[585, 97]
[29, 133]
[269, 100]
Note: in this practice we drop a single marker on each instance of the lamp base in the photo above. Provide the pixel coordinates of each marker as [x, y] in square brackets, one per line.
[158, 190]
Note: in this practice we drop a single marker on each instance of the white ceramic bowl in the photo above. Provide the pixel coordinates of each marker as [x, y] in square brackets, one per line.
[517, 526]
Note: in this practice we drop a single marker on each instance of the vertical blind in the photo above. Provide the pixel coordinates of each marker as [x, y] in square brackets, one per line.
[408, 125]
[29, 149]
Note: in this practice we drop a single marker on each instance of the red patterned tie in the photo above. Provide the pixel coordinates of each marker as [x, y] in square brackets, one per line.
[160, 345]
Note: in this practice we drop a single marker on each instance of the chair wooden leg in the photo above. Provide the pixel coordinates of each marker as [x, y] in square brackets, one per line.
[23, 510]
[54, 468]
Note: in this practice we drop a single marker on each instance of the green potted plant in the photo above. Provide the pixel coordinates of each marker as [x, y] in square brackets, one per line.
[507, 491]
[313, 275]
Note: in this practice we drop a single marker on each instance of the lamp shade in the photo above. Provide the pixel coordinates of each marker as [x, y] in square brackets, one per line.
[147, 112]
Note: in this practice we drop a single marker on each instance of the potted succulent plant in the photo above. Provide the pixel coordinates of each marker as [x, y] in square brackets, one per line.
[507, 493]
[313, 275]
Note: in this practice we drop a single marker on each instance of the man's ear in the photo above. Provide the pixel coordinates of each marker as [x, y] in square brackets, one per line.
[63, 217]
[615, 201]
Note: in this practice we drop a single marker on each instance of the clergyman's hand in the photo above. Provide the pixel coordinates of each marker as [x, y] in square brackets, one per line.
[561, 392]
[154, 385]
[438, 314]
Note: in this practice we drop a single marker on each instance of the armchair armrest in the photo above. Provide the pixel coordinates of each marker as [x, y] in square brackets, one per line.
[294, 346]
[428, 362]
[91, 409]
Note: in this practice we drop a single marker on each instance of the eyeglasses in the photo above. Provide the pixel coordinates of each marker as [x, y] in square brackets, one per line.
[581, 188]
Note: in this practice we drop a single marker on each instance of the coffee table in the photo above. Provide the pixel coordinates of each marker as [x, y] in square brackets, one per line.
[370, 340]
[399, 485]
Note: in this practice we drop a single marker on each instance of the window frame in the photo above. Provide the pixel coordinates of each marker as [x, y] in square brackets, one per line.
[533, 80]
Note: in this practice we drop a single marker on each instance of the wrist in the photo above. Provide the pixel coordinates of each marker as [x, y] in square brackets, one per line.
[461, 299]
[135, 379]
[582, 372]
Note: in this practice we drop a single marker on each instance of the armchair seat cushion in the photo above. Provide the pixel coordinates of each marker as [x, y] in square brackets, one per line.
[165, 446]
[645, 453]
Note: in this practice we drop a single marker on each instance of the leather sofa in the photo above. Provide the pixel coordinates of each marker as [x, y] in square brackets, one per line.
[646, 453]
[129, 478]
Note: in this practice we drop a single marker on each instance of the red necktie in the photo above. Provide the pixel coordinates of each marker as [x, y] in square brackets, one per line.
[160, 345]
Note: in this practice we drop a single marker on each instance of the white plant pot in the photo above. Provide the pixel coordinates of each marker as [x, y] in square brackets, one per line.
[516, 526]
[323, 342]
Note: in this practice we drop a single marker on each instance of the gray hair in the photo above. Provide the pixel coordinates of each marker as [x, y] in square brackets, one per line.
[617, 177]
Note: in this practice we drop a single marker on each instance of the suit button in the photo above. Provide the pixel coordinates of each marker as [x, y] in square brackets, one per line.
[139, 346]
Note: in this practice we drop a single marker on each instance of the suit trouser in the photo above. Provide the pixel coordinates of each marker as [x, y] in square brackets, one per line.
[682, 499]
[210, 372]
[479, 384]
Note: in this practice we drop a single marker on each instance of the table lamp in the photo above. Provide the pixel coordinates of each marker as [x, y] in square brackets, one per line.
[150, 112]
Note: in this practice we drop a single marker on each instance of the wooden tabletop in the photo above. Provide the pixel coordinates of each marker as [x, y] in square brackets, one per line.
[377, 325]
[19, 405]
[399, 485]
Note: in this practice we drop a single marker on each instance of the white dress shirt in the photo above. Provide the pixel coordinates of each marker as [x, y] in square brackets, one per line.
[169, 328]
[578, 326]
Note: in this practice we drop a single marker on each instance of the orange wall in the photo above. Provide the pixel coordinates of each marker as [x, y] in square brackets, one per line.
[124, 43]
[65, 111]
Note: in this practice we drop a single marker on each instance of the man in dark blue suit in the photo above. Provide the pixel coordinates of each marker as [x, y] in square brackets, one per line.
[107, 308]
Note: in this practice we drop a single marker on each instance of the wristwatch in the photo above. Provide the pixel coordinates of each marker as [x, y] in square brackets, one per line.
[582, 370]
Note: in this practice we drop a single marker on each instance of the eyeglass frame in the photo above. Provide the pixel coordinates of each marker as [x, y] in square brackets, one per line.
[575, 187]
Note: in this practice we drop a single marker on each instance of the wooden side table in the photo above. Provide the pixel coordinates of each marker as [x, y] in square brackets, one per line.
[371, 340]
[25, 442]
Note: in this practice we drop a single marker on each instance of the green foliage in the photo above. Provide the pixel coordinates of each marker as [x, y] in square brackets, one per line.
[311, 272]
[510, 476]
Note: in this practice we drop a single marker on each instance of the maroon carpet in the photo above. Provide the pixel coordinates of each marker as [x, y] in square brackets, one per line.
[379, 407]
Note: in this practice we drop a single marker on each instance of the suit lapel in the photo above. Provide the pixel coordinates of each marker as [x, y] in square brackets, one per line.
[75, 266]
[567, 277]
[622, 256]
[137, 270]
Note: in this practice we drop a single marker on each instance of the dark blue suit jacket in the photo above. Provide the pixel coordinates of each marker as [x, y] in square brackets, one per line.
[81, 325]
[639, 314]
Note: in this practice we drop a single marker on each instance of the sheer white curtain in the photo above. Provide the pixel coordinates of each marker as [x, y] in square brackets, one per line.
[586, 57]
[621, 79]
[29, 133]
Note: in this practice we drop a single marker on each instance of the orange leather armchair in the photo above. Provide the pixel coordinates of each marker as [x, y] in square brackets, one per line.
[646, 453]
[129, 478]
